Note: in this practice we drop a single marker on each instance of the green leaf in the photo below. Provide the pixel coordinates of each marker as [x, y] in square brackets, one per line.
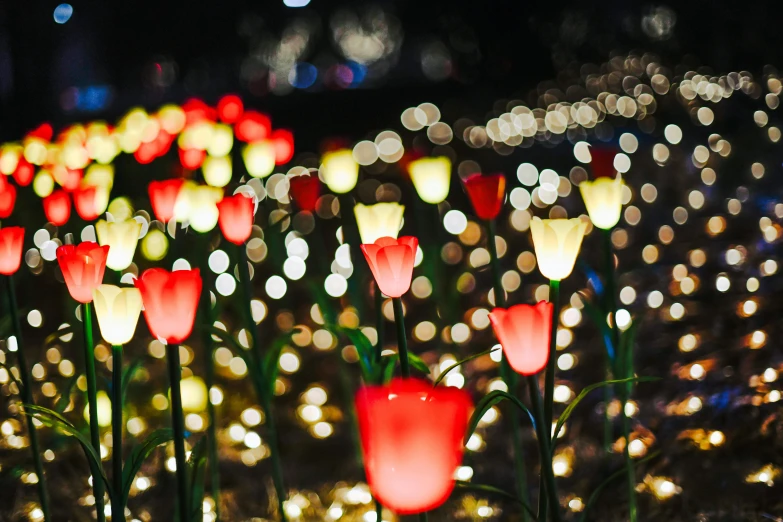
[59, 423]
[460, 363]
[55, 336]
[364, 348]
[570, 408]
[197, 468]
[65, 395]
[127, 375]
[387, 368]
[139, 454]
[418, 363]
[487, 402]
[614, 476]
[271, 367]
[484, 488]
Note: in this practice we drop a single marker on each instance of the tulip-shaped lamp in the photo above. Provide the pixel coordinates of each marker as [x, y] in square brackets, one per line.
[7, 198]
[431, 178]
[197, 205]
[305, 191]
[122, 238]
[412, 441]
[236, 217]
[339, 171]
[163, 196]
[486, 194]
[57, 207]
[378, 220]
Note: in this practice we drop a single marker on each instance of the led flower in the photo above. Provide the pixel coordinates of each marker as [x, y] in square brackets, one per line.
[118, 312]
[85, 201]
[122, 237]
[305, 191]
[604, 200]
[259, 158]
[431, 178]
[7, 198]
[57, 207]
[11, 241]
[391, 262]
[236, 218]
[170, 302]
[340, 171]
[602, 161]
[557, 243]
[486, 193]
[379, 220]
[412, 441]
[524, 332]
[197, 205]
[82, 267]
[163, 196]
[217, 170]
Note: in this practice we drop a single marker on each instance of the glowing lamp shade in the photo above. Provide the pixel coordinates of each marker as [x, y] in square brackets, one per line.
[339, 171]
[391, 262]
[524, 332]
[121, 237]
[170, 302]
[379, 220]
[431, 178]
[194, 394]
[24, 172]
[192, 158]
[412, 441]
[604, 200]
[104, 410]
[118, 312]
[7, 199]
[11, 241]
[253, 126]
[85, 199]
[82, 267]
[283, 142]
[236, 218]
[259, 158]
[217, 170]
[230, 108]
[486, 194]
[557, 243]
[197, 205]
[305, 191]
[57, 207]
[602, 161]
[163, 196]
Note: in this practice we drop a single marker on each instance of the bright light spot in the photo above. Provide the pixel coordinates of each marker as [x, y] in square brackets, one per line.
[63, 13]
[294, 268]
[295, 3]
[455, 222]
[275, 287]
[218, 261]
[335, 285]
[289, 362]
[225, 284]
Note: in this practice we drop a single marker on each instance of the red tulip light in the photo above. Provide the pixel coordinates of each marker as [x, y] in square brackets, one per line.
[524, 332]
[57, 207]
[84, 201]
[412, 441]
[253, 126]
[283, 143]
[486, 193]
[82, 267]
[391, 261]
[163, 196]
[24, 172]
[236, 217]
[305, 191]
[230, 108]
[602, 163]
[192, 158]
[7, 199]
[170, 302]
[11, 240]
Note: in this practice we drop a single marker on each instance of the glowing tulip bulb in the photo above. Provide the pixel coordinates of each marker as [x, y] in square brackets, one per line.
[104, 410]
[486, 194]
[412, 441]
[85, 200]
[217, 171]
[11, 243]
[57, 207]
[259, 158]
[170, 302]
[604, 200]
[121, 237]
[197, 205]
[431, 178]
[524, 332]
[557, 243]
[236, 218]
[118, 312]
[194, 394]
[305, 191]
[163, 196]
[82, 267]
[339, 171]
[391, 262]
[379, 220]
[7, 199]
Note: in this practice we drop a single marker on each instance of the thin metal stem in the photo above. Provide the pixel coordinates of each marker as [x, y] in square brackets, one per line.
[92, 400]
[178, 423]
[380, 322]
[543, 432]
[549, 386]
[612, 305]
[117, 509]
[402, 340]
[27, 397]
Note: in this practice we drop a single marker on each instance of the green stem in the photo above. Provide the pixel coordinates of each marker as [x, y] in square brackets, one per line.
[508, 375]
[266, 400]
[423, 516]
[378, 511]
[27, 397]
[356, 283]
[117, 509]
[92, 399]
[549, 390]
[610, 300]
[178, 423]
[380, 322]
[543, 434]
[402, 340]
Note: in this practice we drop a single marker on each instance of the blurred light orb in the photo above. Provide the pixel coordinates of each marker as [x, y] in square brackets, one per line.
[63, 13]
[276, 287]
[303, 74]
[296, 3]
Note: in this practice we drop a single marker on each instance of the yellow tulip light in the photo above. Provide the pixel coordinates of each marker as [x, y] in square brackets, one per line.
[197, 205]
[259, 158]
[557, 243]
[604, 200]
[122, 237]
[194, 394]
[339, 171]
[118, 312]
[217, 170]
[104, 410]
[379, 220]
[431, 178]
